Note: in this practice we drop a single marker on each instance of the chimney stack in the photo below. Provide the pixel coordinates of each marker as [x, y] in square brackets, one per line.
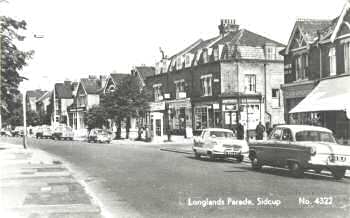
[228, 25]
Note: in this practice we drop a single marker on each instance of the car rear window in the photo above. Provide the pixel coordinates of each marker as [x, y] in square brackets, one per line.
[222, 134]
[314, 136]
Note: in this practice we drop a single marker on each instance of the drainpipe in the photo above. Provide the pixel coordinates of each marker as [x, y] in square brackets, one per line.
[265, 95]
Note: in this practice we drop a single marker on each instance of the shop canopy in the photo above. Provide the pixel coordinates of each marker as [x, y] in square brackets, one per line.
[329, 95]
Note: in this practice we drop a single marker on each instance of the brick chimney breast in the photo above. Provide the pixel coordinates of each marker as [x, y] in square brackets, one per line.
[228, 25]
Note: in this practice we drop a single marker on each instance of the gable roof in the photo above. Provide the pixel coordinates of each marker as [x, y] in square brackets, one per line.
[309, 29]
[90, 86]
[146, 71]
[63, 90]
[338, 23]
[47, 94]
[35, 93]
[117, 77]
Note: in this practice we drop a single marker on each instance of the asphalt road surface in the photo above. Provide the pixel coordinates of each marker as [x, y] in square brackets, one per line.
[141, 181]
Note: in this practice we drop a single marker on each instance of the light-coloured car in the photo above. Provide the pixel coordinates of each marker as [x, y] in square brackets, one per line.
[63, 132]
[100, 135]
[220, 143]
[43, 131]
[301, 148]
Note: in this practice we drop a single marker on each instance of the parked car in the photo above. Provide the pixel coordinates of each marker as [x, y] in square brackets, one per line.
[301, 148]
[18, 131]
[100, 135]
[5, 132]
[220, 143]
[63, 132]
[44, 132]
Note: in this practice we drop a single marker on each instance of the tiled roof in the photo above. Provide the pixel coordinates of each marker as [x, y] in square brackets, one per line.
[146, 71]
[309, 27]
[246, 38]
[35, 93]
[63, 90]
[91, 86]
[44, 96]
[117, 77]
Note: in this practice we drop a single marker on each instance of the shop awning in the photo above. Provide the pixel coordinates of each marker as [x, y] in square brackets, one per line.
[329, 95]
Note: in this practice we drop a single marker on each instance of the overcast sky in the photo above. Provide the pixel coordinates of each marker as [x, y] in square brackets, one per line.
[83, 37]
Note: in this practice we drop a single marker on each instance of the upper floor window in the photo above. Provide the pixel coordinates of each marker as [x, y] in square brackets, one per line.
[275, 98]
[187, 61]
[206, 85]
[250, 83]
[180, 88]
[216, 54]
[178, 63]
[157, 90]
[347, 57]
[270, 53]
[301, 66]
[332, 62]
[205, 56]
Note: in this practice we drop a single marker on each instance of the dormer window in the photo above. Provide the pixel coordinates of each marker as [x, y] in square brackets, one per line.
[205, 56]
[301, 65]
[216, 54]
[332, 62]
[270, 53]
[178, 63]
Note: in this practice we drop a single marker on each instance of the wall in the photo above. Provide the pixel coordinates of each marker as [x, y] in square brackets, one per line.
[92, 100]
[204, 69]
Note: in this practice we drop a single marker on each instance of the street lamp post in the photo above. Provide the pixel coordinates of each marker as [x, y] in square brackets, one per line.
[24, 119]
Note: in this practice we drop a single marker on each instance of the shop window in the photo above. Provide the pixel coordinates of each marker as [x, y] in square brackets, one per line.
[201, 118]
[206, 85]
[332, 62]
[275, 98]
[250, 83]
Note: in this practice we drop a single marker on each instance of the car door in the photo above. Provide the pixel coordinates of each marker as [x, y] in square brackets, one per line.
[284, 147]
[270, 148]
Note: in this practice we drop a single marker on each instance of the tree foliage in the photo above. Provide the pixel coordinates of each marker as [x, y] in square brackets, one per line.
[96, 117]
[33, 118]
[12, 62]
[127, 101]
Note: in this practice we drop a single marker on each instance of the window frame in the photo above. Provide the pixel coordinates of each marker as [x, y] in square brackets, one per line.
[332, 61]
[249, 86]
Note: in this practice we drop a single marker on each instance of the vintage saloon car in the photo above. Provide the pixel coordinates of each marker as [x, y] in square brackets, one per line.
[301, 148]
[220, 143]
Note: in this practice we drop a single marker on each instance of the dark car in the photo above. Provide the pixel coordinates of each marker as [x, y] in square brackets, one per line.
[18, 131]
[300, 148]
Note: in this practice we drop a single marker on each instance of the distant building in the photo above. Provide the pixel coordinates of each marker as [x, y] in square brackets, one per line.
[31, 97]
[62, 98]
[233, 77]
[87, 95]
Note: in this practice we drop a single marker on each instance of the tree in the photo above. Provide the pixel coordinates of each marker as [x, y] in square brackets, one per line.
[126, 102]
[12, 62]
[33, 118]
[96, 117]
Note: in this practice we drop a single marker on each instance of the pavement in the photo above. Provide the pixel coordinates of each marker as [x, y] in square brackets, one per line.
[35, 184]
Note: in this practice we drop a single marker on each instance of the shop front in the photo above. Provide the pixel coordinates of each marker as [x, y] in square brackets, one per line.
[327, 105]
[206, 115]
[179, 118]
[155, 121]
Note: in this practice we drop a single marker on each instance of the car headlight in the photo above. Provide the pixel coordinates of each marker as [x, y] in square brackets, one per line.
[313, 151]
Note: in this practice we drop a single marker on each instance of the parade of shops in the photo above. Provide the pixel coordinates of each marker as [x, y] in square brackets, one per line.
[234, 77]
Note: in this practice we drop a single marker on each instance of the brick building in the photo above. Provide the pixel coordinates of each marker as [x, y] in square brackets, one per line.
[233, 77]
[317, 72]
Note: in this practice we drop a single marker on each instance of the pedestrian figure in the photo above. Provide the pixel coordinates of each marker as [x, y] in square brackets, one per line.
[259, 131]
[240, 131]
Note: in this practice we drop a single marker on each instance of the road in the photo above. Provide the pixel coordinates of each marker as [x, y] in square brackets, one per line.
[140, 180]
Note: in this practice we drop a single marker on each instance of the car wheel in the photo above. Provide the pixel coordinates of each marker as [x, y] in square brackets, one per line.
[339, 173]
[196, 155]
[240, 159]
[296, 169]
[211, 156]
[256, 165]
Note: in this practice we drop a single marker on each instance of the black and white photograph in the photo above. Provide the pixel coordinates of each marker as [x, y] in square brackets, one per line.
[187, 108]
